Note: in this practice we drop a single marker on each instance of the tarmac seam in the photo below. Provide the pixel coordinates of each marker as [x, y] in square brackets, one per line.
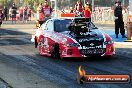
[7, 84]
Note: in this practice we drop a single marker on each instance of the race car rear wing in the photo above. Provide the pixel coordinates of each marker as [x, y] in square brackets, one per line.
[77, 19]
[67, 15]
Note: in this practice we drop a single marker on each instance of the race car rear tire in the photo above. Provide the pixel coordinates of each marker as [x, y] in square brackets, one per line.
[40, 44]
[35, 43]
[55, 53]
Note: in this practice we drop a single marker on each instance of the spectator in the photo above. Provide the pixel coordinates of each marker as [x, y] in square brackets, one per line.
[21, 13]
[87, 11]
[40, 15]
[47, 10]
[5, 11]
[79, 8]
[10, 13]
[29, 13]
[14, 12]
[1, 17]
[71, 10]
[119, 24]
[25, 13]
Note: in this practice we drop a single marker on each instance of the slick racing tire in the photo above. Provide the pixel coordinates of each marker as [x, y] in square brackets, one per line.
[55, 53]
[35, 43]
[108, 57]
[40, 47]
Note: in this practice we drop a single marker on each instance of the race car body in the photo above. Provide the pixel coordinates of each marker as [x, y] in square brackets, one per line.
[76, 37]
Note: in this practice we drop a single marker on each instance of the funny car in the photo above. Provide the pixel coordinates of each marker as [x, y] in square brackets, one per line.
[72, 37]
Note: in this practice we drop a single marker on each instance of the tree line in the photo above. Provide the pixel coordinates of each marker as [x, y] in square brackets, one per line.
[60, 3]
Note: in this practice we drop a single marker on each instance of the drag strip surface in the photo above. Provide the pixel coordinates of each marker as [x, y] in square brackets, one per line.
[16, 47]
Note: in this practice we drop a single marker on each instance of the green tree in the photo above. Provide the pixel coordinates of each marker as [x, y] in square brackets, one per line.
[3, 2]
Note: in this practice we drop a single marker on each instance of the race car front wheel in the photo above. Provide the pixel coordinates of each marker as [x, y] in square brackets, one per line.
[107, 57]
[55, 53]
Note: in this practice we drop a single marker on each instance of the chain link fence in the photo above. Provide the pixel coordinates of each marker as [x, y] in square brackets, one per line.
[102, 13]
[106, 15]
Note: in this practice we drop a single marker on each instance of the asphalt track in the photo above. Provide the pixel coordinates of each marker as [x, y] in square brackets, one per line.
[17, 48]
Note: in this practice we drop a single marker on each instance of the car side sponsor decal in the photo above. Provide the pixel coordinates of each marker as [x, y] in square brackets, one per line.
[73, 40]
[55, 36]
[87, 33]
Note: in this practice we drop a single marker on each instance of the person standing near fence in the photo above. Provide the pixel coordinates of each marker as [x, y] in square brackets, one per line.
[10, 13]
[5, 11]
[40, 15]
[21, 13]
[29, 13]
[14, 12]
[79, 9]
[119, 24]
[47, 10]
[25, 14]
[87, 11]
[1, 17]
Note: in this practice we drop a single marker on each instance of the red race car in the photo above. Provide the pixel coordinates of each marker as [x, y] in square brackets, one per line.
[72, 37]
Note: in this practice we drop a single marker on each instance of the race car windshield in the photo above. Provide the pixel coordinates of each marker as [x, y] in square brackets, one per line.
[62, 25]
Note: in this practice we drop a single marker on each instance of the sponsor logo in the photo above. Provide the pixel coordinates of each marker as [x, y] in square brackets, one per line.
[87, 40]
[91, 44]
[82, 77]
[83, 40]
[92, 51]
[85, 47]
[87, 33]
